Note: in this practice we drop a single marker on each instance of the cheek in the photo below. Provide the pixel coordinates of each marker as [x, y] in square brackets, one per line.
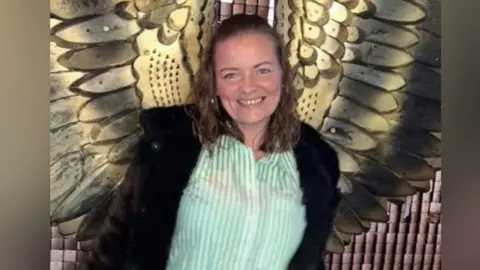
[275, 92]
[273, 89]
[271, 85]
[225, 93]
[225, 89]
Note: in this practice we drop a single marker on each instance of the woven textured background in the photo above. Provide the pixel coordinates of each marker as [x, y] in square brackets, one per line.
[410, 240]
[263, 8]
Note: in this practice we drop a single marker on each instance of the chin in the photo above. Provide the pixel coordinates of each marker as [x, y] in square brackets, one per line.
[252, 121]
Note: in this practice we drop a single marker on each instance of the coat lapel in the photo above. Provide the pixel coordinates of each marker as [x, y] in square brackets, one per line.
[174, 153]
[320, 199]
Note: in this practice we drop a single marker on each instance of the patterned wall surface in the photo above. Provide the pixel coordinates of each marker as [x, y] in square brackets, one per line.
[262, 8]
[411, 239]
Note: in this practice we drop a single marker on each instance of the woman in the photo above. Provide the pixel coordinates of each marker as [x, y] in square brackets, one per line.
[234, 181]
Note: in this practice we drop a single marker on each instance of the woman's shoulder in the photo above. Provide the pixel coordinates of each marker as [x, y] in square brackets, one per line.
[312, 137]
[326, 154]
[160, 125]
[164, 119]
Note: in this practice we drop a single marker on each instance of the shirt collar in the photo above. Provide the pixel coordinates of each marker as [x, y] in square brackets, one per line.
[284, 161]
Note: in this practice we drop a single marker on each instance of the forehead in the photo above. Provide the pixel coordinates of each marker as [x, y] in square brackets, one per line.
[245, 50]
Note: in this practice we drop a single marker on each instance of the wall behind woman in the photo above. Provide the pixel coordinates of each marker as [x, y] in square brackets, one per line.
[409, 240]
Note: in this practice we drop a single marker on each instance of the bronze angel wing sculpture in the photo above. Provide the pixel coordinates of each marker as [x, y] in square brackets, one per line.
[368, 72]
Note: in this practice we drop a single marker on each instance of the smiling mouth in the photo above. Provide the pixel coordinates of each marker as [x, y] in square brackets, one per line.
[251, 102]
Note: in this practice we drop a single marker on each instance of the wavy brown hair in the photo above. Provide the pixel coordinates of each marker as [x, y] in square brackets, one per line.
[210, 118]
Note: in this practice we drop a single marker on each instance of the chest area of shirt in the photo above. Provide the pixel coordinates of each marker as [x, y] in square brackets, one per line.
[234, 176]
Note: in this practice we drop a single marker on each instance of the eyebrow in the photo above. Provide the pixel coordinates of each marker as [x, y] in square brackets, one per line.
[255, 66]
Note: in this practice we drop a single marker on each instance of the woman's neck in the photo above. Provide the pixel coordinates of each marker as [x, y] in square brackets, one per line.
[253, 137]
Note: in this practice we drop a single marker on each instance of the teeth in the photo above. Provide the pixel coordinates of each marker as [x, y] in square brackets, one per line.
[251, 101]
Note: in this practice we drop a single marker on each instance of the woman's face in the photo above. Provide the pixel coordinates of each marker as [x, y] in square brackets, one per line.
[248, 79]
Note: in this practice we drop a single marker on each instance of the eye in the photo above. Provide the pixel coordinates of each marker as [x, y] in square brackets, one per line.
[264, 71]
[229, 76]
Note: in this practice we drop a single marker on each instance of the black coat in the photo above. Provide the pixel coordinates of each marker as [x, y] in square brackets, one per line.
[141, 220]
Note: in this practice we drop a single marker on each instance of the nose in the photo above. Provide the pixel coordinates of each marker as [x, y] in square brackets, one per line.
[247, 85]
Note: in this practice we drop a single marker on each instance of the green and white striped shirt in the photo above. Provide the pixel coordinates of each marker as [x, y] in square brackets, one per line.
[238, 213]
